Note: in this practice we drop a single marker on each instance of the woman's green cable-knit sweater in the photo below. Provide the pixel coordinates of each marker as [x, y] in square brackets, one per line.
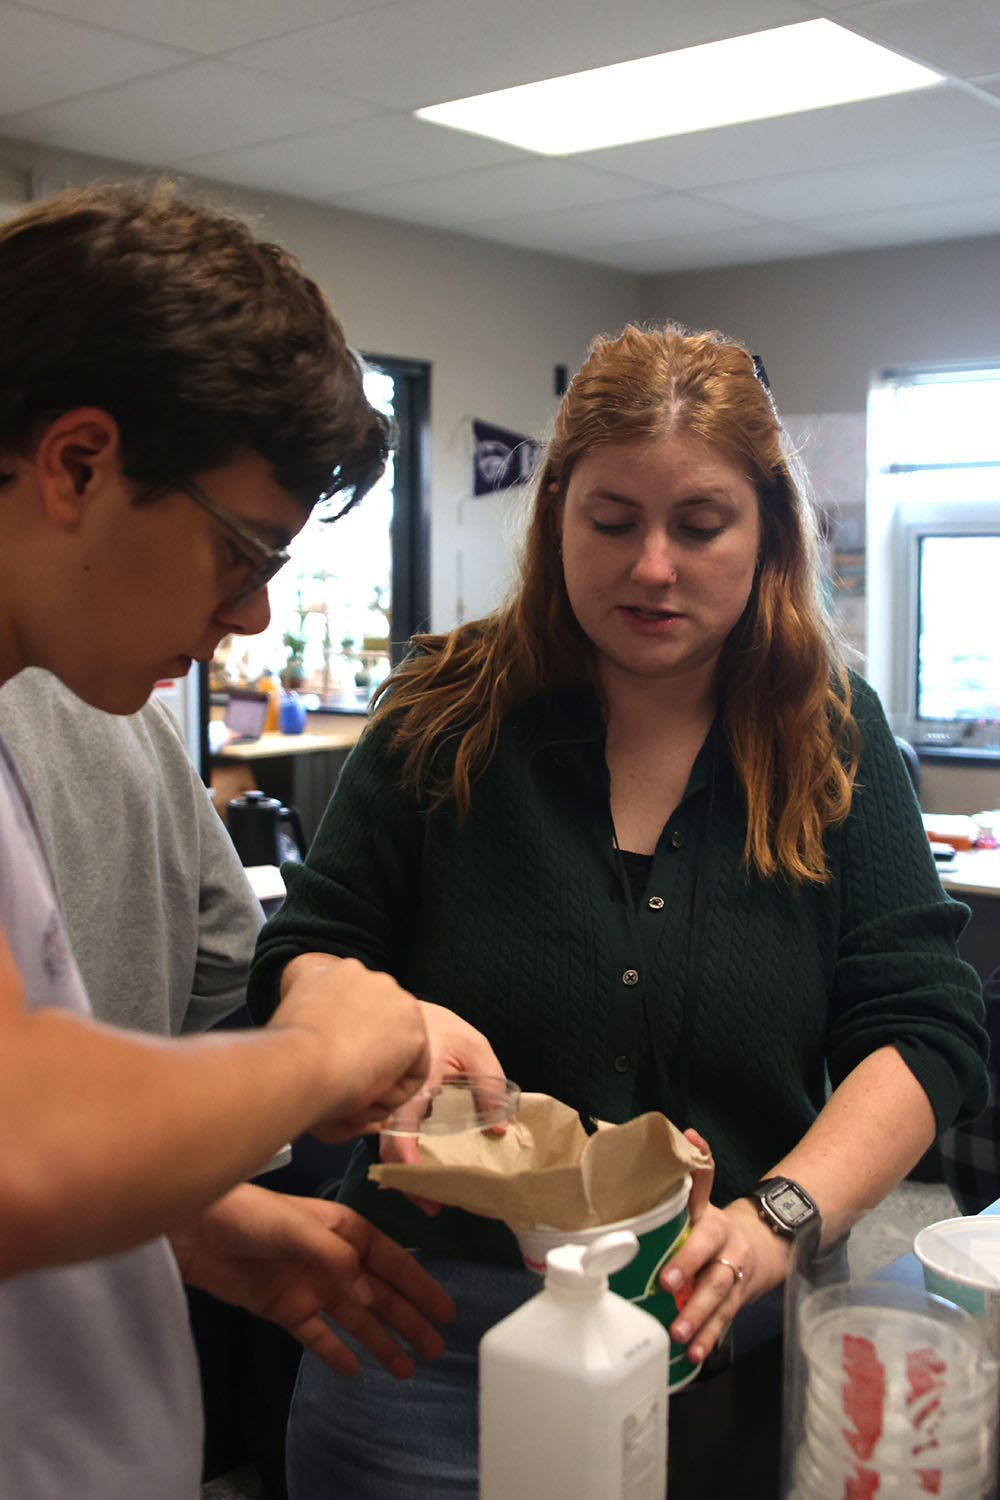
[516, 920]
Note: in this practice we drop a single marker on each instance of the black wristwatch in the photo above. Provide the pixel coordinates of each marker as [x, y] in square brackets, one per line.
[784, 1206]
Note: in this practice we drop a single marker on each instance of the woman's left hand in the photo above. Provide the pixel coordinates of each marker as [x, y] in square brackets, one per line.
[729, 1258]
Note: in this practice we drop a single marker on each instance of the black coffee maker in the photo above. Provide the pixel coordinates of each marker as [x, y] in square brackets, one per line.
[255, 826]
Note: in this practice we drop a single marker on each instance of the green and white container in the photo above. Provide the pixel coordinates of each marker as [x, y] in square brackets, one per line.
[661, 1232]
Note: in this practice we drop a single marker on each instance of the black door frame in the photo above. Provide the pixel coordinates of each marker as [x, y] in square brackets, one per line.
[411, 521]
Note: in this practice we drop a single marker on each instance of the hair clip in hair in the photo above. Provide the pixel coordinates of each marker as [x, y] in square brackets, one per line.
[760, 372]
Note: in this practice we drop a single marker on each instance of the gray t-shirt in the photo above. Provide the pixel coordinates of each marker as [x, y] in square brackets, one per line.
[99, 1389]
[160, 912]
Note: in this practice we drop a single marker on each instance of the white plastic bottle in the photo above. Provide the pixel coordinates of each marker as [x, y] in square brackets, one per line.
[573, 1388]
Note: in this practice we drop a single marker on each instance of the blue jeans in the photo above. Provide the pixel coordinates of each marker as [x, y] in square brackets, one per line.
[376, 1438]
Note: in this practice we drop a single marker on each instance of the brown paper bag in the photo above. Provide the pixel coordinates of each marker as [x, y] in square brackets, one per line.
[545, 1169]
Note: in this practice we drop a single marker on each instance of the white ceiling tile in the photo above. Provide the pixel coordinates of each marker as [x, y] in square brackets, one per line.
[574, 230]
[694, 253]
[44, 59]
[519, 187]
[820, 138]
[202, 27]
[314, 97]
[201, 107]
[355, 157]
[760, 242]
[915, 223]
[990, 84]
[961, 37]
[428, 51]
[899, 181]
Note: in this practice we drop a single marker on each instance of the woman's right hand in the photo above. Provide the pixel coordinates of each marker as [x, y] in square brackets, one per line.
[456, 1047]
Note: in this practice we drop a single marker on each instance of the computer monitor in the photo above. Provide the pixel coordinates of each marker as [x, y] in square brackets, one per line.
[246, 714]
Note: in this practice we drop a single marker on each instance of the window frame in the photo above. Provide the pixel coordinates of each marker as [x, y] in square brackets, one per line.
[906, 501]
[411, 512]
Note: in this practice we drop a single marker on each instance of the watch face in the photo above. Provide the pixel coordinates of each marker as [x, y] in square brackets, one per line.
[791, 1205]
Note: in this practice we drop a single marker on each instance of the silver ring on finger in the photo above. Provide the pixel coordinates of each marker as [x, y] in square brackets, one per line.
[731, 1266]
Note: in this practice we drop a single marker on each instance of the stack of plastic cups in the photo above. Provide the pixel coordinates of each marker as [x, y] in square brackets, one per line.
[900, 1398]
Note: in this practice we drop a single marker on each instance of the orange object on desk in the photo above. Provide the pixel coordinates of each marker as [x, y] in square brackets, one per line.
[955, 829]
[271, 686]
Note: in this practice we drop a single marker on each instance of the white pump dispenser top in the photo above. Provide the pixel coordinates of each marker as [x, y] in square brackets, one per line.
[584, 1269]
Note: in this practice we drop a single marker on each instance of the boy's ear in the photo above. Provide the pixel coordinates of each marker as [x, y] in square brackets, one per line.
[75, 455]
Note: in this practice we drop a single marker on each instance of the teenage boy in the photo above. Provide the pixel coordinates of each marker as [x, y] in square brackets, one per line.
[174, 397]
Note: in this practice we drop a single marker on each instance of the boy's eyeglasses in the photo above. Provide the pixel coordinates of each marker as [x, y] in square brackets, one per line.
[271, 558]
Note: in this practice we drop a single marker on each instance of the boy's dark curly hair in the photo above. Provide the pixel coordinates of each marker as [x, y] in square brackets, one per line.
[200, 341]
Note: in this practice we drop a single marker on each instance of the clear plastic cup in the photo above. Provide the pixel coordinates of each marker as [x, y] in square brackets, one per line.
[819, 1480]
[829, 1439]
[938, 1424]
[459, 1102]
[898, 1386]
[898, 1321]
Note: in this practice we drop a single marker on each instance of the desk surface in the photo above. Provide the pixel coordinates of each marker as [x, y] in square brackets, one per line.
[266, 882]
[974, 871]
[336, 734]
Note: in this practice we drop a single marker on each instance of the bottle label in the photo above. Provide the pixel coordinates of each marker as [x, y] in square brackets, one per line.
[642, 1450]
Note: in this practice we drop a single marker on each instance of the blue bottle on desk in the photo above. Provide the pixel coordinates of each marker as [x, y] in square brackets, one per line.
[291, 714]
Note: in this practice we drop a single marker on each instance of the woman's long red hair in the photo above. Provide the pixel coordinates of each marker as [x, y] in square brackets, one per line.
[784, 694]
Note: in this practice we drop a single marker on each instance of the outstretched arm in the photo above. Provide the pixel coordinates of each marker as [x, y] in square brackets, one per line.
[115, 1136]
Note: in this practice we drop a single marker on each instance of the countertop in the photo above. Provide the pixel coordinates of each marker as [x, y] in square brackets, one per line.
[323, 732]
[976, 872]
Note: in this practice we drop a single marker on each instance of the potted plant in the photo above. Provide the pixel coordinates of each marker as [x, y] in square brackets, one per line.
[293, 675]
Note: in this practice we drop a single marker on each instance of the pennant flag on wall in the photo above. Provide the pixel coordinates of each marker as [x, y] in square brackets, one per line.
[501, 458]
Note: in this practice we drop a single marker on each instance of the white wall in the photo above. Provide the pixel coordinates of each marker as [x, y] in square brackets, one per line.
[493, 322]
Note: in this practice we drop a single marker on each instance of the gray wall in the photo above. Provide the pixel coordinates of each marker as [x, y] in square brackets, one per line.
[824, 325]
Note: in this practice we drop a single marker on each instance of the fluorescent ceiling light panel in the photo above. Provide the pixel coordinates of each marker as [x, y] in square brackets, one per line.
[809, 65]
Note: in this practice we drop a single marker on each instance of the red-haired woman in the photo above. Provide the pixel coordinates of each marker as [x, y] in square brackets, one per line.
[644, 830]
